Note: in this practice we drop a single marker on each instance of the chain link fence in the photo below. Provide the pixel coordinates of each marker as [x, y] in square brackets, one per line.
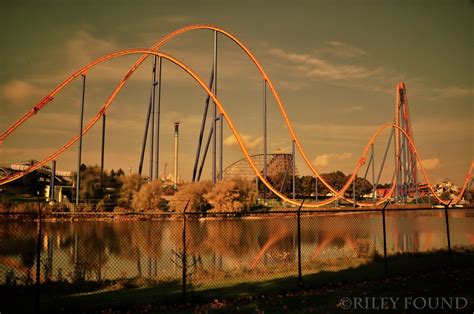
[57, 261]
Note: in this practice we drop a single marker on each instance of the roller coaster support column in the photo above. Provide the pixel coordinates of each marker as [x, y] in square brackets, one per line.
[142, 155]
[384, 158]
[293, 166]
[102, 151]
[152, 127]
[176, 136]
[373, 173]
[81, 122]
[416, 183]
[354, 192]
[384, 239]
[157, 117]
[395, 192]
[316, 188]
[214, 115]
[203, 126]
[264, 137]
[211, 131]
[51, 184]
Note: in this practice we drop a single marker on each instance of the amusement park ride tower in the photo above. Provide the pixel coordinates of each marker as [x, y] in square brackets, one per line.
[405, 155]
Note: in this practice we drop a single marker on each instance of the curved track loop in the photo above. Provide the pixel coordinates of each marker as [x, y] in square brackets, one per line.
[221, 109]
[233, 129]
[82, 71]
[231, 126]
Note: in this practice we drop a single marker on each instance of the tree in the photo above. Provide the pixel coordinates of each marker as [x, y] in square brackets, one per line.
[282, 181]
[305, 185]
[99, 190]
[194, 192]
[149, 197]
[234, 195]
[90, 188]
[363, 186]
[130, 185]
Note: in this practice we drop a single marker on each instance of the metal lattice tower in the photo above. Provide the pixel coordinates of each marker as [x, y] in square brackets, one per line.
[405, 158]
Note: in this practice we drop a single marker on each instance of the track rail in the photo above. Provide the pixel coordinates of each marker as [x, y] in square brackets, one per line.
[152, 51]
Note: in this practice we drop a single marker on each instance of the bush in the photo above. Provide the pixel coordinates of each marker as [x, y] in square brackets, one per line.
[59, 207]
[106, 203]
[130, 186]
[149, 197]
[194, 192]
[85, 208]
[234, 195]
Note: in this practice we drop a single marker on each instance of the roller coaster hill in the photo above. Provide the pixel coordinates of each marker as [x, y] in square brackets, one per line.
[409, 181]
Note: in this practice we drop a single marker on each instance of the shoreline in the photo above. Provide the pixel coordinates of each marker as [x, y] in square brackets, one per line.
[145, 216]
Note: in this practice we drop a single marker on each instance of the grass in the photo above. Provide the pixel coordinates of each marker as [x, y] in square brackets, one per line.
[142, 294]
[455, 283]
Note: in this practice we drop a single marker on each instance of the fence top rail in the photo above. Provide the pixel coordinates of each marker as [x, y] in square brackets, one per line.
[166, 214]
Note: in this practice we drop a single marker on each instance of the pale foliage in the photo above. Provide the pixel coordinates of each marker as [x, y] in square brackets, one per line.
[194, 192]
[234, 195]
[149, 197]
[131, 185]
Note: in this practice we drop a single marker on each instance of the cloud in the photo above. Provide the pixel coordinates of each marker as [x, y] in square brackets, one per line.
[314, 66]
[18, 92]
[340, 49]
[250, 142]
[454, 92]
[325, 159]
[83, 47]
[431, 163]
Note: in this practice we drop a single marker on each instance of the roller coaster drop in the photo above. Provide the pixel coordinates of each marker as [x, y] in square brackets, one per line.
[407, 158]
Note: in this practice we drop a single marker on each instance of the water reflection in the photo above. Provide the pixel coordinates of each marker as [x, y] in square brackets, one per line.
[96, 250]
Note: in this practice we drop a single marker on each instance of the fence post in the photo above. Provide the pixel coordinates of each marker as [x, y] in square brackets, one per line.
[384, 239]
[298, 215]
[183, 257]
[38, 260]
[447, 231]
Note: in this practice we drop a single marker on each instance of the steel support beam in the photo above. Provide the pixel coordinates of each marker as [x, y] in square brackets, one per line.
[293, 165]
[157, 118]
[264, 137]
[316, 187]
[208, 142]
[373, 172]
[51, 184]
[175, 172]
[395, 192]
[147, 123]
[416, 183]
[368, 166]
[384, 157]
[214, 114]
[152, 126]
[79, 155]
[203, 126]
[102, 152]
[354, 192]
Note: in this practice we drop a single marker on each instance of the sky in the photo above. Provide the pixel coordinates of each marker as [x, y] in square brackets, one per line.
[335, 65]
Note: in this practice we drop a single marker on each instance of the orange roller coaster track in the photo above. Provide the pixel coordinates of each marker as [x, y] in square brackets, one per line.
[146, 53]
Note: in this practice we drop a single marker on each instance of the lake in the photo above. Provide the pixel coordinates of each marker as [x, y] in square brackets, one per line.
[232, 248]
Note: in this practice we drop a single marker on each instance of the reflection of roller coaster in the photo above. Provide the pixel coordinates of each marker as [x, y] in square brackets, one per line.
[407, 159]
